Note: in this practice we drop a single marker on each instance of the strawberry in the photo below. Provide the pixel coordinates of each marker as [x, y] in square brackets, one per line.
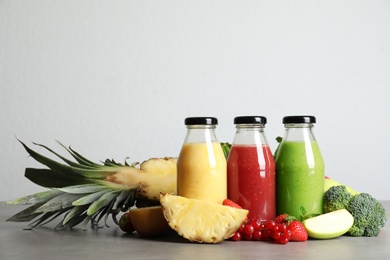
[230, 203]
[282, 218]
[298, 231]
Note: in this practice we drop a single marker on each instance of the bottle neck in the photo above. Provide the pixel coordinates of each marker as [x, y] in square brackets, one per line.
[256, 127]
[200, 134]
[300, 125]
[250, 134]
[299, 132]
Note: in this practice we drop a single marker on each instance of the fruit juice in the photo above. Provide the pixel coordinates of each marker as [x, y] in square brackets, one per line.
[299, 178]
[201, 172]
[251, 180]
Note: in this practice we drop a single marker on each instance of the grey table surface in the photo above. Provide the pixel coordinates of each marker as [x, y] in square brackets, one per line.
[111, 242]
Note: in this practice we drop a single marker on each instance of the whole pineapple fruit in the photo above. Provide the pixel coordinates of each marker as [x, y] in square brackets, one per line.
[88, 192]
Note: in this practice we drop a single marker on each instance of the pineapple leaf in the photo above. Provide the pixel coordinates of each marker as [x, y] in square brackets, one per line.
[97, 173]
[79, 158]
[83, 188]
[88, 199]
[58, 203]
[27, 214]
[126, 199]
[56, 166]
[69, 162]
[75, 220]
[112, 185]
[113, 163]
[46, 218]
[114, 216]
[60, 226]
[51, 179]
[36, 198]
[86, 221]
[93, 174]
[101, 202]
[108, 211]
[74, 213]
[99, 215]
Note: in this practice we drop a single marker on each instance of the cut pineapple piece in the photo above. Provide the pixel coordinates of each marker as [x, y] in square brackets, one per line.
[201, 221]
[149, 221]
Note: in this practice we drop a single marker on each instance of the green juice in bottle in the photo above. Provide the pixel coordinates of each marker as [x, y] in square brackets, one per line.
[299, 170]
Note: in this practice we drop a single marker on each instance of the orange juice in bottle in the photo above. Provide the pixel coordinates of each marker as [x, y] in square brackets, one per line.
[201, 166]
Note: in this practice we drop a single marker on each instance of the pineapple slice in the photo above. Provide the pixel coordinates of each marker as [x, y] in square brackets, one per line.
[201, 221]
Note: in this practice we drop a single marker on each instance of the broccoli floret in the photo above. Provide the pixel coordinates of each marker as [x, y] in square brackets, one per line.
[368, 213]
[335, 198]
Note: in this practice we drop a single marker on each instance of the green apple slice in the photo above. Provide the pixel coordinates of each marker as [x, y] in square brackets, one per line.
[329, 225]
[328, 183]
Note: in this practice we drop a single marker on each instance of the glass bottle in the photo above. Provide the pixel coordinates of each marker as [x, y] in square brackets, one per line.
[201, 166]
[299, 169]
[251, 169]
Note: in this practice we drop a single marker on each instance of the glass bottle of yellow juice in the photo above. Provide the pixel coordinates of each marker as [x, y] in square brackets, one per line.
[201, 166]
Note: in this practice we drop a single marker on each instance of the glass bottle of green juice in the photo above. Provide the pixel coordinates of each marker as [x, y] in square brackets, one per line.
[299, 169]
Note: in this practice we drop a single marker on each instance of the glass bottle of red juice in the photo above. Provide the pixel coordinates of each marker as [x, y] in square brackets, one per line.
[251, 169]
[299, 169]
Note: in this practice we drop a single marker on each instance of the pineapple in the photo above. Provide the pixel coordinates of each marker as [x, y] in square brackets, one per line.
[149, 221]
[154, 176]
[85, 191]
[201, 221]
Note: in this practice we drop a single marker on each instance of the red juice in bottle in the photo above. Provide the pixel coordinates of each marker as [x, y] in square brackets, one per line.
[251, 169]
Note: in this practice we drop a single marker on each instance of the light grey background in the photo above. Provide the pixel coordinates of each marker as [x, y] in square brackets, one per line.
[115, 79]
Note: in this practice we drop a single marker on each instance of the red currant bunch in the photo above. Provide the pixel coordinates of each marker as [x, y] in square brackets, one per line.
[268, 230]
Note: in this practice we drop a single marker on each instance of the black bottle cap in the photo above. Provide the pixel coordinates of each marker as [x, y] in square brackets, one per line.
[299, 120]
[250, 120]
[201, 121]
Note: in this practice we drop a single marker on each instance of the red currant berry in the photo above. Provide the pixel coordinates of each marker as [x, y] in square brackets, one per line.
[266, 234]
[276, 235]
[247, 237]
[256, 235]
[236, 236]
[256, 223]
[275, 228]
[249, 229]
[262, 224]
[282, 227]
[270, 224]
[283, 240]
[241, 229]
